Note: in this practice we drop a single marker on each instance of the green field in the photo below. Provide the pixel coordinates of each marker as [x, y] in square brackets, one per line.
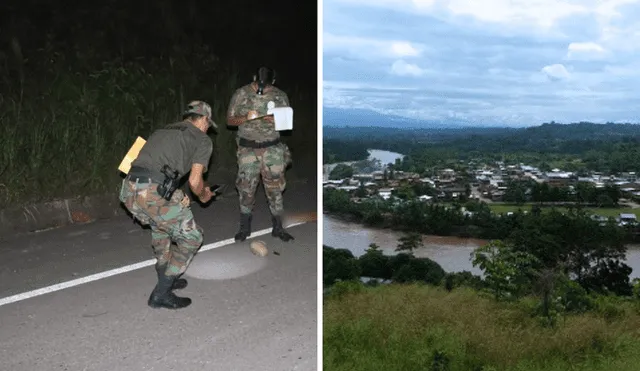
[426, 328]
[614, 212]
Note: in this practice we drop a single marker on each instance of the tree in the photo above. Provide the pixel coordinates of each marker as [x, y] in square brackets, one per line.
[410, 242]
[507, 270]
[419, 269]
[341, 171]
[405, 192]
[339, 265]
[375, 264]
[361, 192]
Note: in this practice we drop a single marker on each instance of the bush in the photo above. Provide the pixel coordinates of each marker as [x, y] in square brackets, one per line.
[344, 288]
[419, 269]
[70, 114]
[375, 264]
[339, 265]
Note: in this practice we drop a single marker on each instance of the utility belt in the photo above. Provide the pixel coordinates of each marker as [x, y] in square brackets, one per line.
[166, 179]
[253, 144]
[143, 175]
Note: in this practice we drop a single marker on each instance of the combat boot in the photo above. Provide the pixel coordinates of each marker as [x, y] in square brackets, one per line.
[178, 284]
[245, 227]
[278, 229]
[163, 297]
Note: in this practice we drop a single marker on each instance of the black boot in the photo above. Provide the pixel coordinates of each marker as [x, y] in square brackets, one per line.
[178, 284]
[278, 229]
[245, 227]
[163, 297]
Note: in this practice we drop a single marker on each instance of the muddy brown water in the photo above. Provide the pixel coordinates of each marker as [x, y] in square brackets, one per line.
[452, 253]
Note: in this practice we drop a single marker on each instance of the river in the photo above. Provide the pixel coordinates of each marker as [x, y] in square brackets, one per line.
[385, 157]
[452, 253]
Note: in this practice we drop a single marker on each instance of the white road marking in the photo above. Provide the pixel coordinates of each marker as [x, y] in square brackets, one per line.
[116, 271]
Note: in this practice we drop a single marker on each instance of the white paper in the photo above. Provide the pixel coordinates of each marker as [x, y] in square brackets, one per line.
[283, 117]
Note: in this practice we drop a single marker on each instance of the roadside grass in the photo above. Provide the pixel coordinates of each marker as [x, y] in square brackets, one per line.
[418, 327]
[65, 125]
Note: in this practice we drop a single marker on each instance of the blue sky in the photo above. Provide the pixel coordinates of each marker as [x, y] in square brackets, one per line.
[513, 62]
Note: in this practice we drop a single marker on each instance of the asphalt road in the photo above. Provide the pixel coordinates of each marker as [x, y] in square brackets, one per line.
[248, 312]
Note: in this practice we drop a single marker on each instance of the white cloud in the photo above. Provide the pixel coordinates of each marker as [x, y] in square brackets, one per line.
[361, 47]
[556, 71]
[623, 39]
[496, 60]
[331, 41]
[541, 13]
[584, 50]
[404, 49]
[626, 71]
[348, 85]
[394, 4]
[423, 3]
[402, 68]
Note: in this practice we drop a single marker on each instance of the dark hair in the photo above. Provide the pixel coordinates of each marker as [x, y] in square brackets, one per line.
[191, 116]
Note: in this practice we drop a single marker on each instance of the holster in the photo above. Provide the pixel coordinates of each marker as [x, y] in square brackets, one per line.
[170, 183]
[166, 179]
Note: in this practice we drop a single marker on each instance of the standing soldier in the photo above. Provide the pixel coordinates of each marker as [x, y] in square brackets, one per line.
[150, 193]
[260, 151]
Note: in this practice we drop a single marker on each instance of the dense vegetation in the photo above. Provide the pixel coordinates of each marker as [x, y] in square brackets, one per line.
[80, 83]
[573, 147]
[445, 219]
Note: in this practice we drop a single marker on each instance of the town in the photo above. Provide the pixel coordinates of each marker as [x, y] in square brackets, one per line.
[490, 183]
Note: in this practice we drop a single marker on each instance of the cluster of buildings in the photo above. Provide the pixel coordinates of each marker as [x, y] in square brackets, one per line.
[488, 183]
[492, 182]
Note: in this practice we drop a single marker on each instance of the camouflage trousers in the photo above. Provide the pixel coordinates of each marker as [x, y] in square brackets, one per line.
[269, 163]
[169, 222]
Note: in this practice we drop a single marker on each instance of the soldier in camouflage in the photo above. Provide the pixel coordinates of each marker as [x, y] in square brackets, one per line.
[185, 147]
[260, 152]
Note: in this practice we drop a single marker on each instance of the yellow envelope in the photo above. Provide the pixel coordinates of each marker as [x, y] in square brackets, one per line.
[125, 165]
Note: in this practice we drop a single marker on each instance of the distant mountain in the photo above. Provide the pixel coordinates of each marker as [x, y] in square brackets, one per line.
[356, 117]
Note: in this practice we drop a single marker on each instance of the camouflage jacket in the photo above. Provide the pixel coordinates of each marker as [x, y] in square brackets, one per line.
[245, 99]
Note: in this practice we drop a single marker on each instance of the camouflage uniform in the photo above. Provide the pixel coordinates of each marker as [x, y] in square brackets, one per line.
[260, 154]
[169, 220]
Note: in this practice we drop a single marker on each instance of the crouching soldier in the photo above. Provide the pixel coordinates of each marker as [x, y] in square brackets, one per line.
[150, 193]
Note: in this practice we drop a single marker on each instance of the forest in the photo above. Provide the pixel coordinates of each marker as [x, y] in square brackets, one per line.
[572, 147]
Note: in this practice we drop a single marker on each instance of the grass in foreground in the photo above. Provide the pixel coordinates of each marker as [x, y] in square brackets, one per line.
[425, 328]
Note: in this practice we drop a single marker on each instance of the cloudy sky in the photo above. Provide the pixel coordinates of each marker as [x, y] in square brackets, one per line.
[515, 62]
